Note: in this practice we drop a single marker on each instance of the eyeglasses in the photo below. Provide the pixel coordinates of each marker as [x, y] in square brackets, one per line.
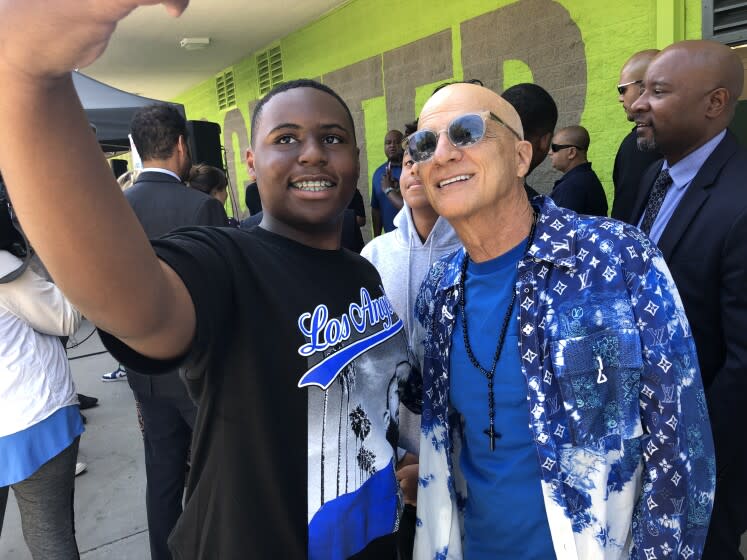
[558, 147]
[464, 130]
[622, 88]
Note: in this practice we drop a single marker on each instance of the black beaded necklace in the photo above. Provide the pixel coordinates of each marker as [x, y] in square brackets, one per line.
[489, 375]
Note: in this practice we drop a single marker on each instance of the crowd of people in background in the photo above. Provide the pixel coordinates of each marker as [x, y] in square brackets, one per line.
[498, 374]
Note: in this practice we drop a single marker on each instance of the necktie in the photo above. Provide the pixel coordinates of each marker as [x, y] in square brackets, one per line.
[655, 200]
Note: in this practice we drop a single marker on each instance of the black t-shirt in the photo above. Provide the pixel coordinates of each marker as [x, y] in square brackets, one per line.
[295, 366]
[350, 236]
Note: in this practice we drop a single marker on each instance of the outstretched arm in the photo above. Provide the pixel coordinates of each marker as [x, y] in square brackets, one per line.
[62, 189]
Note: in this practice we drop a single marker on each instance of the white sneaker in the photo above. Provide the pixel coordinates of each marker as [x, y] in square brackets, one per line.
[116, 375]
[80, 468]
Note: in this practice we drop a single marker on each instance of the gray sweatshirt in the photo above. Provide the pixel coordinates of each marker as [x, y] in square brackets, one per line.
[403, 262]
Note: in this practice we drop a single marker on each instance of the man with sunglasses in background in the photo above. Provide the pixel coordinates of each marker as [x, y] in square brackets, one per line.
[693, 205]
[630, 162]
[579, 188]
[563, 413]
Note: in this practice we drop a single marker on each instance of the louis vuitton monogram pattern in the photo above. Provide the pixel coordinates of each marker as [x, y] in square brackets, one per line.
[615, 400]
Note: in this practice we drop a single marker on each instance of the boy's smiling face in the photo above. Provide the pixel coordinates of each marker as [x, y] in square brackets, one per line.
[306, 162]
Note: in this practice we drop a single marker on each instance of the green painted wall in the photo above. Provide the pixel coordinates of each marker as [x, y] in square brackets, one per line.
[384, 56]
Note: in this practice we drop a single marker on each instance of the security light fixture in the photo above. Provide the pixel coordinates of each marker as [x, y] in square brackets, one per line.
[194, 43]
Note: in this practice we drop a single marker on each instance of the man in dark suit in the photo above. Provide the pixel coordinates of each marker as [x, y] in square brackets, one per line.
[630, 162]
[579, 188]
[162, 202]
[694, 207]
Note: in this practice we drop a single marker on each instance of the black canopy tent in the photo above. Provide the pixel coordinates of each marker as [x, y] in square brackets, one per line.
[110, 110]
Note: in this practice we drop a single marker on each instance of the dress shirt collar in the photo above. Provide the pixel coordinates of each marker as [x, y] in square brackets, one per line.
[161, 170]
[684, 171]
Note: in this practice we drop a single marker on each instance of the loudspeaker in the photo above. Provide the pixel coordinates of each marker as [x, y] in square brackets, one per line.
[119, 167]
[204, 143]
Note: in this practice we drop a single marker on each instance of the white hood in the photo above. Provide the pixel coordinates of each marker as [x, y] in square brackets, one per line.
[403, 260]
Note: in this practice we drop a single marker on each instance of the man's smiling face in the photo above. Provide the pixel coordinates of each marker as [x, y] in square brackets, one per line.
[305, 158]
[462, 182]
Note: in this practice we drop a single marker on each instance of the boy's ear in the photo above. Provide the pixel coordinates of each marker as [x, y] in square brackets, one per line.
[250, 162]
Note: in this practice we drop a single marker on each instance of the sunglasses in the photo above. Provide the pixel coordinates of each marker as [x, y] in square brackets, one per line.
[558, 147]
[463, 131]
[622, 88]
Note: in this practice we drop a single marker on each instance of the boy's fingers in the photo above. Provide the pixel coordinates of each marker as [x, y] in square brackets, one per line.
[175, 7]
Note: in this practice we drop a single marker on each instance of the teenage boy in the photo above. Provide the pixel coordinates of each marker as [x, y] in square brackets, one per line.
[290, 433]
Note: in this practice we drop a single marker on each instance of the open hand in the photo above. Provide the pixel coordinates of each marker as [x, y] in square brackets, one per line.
[49, 38]
[388, 181]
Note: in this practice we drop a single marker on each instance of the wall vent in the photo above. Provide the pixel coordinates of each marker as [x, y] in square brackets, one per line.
[725, 20]
[224, 88]
[269, 69]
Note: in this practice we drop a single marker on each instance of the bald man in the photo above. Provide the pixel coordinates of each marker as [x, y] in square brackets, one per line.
[579, 188]
[386, 199]
[694, 207]
[630, 162]
[563, 412]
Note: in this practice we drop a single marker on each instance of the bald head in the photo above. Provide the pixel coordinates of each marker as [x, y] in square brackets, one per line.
[635, 67]
[393, 146]
[576, 135]
[690, 93]
[467, 98]
[569, 147]
[476, 181]
[714, 64]
[631, 78]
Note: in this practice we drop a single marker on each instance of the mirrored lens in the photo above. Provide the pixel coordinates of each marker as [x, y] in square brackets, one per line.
[422, 145]
[466, 130]
[462, 131]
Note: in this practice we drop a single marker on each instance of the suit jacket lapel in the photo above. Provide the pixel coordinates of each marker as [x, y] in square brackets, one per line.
[647, 183]
[696, 195]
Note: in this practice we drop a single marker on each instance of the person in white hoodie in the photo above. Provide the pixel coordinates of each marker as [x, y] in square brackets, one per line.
[40, 422]
[403, 257]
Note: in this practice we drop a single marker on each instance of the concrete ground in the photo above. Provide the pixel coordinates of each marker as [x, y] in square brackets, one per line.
[110, 497]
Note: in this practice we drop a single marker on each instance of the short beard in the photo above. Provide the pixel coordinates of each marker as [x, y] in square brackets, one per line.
[646, 145]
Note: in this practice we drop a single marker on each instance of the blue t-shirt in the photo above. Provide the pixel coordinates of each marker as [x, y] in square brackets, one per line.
[505, 513]
[380, 200]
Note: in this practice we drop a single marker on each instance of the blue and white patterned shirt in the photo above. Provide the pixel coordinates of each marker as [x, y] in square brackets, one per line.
[615, 401]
